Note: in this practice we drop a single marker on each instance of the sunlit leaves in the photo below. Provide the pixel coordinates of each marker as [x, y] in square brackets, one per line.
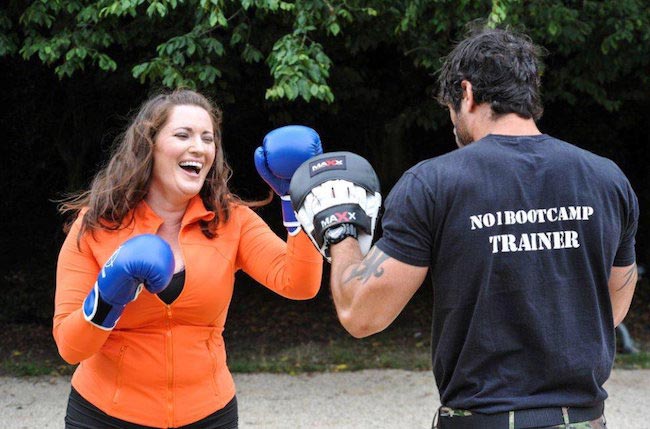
[300, 68]
[197, 43]
[184, 42]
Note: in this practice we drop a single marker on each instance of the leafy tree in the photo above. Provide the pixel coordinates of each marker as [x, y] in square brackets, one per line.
[330, 56]
[182, 42]
[321, 50]
[197, 43]
[360, 71]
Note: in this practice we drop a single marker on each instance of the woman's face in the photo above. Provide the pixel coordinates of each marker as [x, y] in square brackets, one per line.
[183, 153]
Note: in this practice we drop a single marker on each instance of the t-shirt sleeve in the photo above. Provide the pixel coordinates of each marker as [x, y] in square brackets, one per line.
[625, 255]
[407, 222]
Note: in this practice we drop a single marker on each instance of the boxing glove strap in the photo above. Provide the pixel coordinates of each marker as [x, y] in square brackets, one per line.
[289, 216]
[99, 312]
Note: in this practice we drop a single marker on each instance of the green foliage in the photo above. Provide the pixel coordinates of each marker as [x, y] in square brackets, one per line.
[181, 42]
[197, 43]
[591, 44]
[299, 69]
[8, 39]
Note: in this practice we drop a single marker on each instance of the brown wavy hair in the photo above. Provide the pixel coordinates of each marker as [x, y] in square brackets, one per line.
[124, 181]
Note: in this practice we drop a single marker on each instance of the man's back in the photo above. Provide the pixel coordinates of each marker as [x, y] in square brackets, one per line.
[530, 243]
[518, 232]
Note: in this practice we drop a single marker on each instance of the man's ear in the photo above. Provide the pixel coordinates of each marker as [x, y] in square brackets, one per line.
[468, 94]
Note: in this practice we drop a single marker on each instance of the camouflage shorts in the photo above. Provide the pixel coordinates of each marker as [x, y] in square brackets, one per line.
[445, 413]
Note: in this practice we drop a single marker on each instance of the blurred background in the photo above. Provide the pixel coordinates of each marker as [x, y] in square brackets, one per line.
[360, 72]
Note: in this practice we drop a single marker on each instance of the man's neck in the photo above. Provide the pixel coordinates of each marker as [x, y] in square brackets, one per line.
[509, 124]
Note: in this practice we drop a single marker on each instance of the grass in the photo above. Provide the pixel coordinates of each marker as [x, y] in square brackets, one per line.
[28, 350]
[639, 360]
[349, 354]
[22, 368]
[394, 349]
[272, 334]
[335, 355]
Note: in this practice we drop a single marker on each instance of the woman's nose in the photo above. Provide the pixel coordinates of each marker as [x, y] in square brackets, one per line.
[197, 144]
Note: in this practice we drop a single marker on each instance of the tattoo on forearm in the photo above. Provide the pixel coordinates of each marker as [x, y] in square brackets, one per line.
[629, 277]
[370, 266]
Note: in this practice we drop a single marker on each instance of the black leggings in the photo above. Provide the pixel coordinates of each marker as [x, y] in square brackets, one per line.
[81, 414]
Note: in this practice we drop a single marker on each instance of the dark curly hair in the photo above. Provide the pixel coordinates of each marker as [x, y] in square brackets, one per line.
[503, 67]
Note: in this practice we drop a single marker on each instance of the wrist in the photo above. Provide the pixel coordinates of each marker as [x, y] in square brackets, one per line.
[347, 250]
[289, 216]
[338, 233]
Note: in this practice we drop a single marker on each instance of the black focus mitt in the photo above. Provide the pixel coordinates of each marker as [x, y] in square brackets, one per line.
[336, 195]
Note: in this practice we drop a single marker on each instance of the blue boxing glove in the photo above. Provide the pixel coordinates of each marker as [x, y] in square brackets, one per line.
[145, 259]
[281, 153]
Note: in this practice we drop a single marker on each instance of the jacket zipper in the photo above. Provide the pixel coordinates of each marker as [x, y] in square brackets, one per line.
[170, 369]
[118, 380]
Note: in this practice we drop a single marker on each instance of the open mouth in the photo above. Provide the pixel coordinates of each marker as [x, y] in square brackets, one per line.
[193, 167]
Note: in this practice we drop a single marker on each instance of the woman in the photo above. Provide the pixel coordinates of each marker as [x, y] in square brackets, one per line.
[160, 210]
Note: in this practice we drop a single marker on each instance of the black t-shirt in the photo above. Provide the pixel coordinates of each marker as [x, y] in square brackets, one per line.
[520, 234]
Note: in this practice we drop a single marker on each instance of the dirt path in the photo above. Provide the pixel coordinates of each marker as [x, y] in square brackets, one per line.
[366, 399]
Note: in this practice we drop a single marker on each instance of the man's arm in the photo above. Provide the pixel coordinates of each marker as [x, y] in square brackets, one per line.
[622, 283]
[369, 293]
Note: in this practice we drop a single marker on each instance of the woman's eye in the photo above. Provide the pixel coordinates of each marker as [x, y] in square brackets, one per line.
[208, 139]
[181, 135]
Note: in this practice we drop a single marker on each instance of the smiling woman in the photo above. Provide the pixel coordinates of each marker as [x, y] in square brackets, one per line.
[126, 180]
[160, 216]
[184, 150]
[181, 149]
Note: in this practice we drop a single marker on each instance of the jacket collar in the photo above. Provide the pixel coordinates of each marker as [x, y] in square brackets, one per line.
[194, 212]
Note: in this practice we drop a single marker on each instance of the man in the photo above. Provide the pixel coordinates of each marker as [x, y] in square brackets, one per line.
[530, 243]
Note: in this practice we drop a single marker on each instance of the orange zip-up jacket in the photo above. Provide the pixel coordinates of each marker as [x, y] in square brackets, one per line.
[165, 365]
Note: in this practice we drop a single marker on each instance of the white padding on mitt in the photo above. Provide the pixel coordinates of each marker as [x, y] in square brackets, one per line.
[330, 195]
